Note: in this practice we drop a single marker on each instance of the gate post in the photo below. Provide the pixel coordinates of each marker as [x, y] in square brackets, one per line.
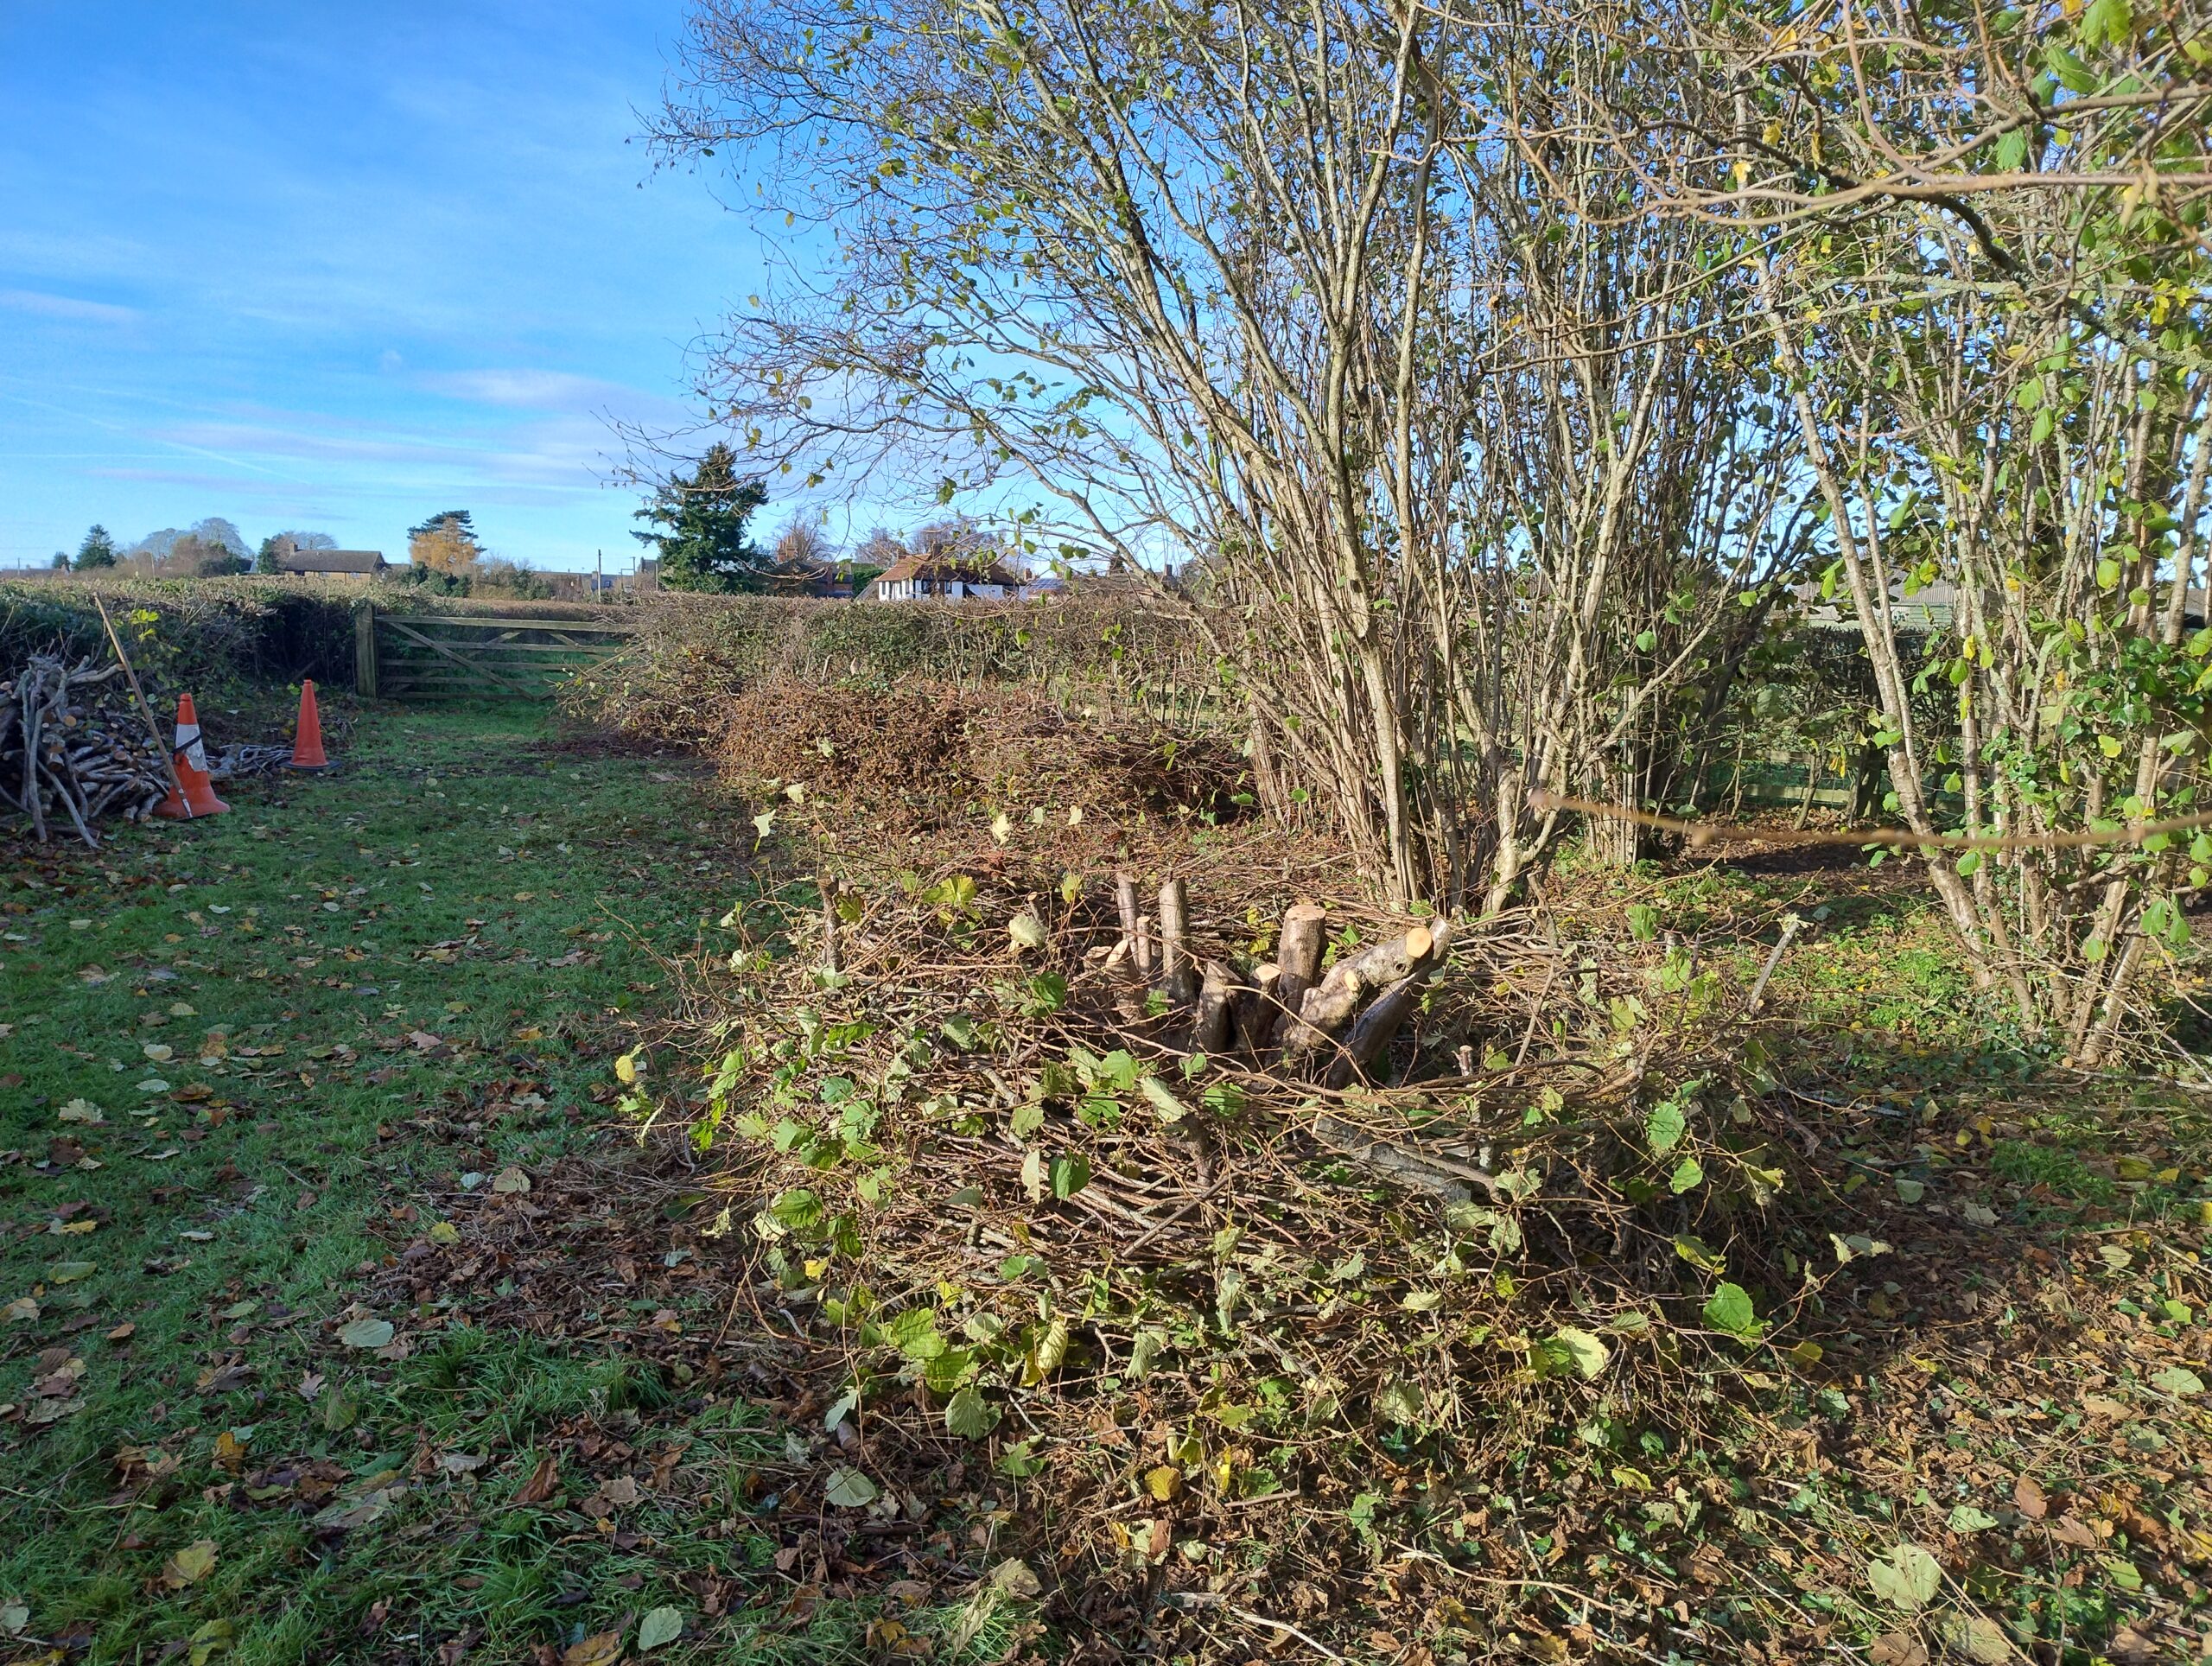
[364, 650]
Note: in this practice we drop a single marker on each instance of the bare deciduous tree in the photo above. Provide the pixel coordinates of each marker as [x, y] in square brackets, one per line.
[1979, 248]
[1264, 282]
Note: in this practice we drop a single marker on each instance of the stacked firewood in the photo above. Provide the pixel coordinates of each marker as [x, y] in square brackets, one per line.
[1286, 1014]
[71, 748]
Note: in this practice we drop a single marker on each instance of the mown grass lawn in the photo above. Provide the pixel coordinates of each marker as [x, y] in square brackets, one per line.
[233, 1054]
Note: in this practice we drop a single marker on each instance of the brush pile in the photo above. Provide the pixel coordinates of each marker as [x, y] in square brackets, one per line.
[1206, 1223]
[71, 750]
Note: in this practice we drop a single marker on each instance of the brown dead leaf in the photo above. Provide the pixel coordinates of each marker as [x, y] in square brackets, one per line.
[1898, 1649]
[2129, 1646]
[2028, 1498]
[603, 1649]
[542, 1483]
[2070, 1529]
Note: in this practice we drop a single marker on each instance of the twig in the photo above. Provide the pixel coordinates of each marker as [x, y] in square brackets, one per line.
[1215, 1599]
[1791, 924]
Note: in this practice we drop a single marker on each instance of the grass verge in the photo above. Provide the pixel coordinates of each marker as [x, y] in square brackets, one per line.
[245, 1068]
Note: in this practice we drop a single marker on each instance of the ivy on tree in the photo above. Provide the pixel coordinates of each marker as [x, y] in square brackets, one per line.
[700, 521]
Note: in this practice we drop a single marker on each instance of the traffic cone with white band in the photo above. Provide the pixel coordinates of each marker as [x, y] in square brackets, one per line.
[199, 798]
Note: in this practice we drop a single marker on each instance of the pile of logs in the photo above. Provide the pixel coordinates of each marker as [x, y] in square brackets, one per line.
[1286, 1014]
[72, 749]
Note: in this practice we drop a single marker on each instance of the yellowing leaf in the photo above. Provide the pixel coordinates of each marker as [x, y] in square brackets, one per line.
[190, 1564]
[511, 1182]
[443, 1232]
[1163, 1483]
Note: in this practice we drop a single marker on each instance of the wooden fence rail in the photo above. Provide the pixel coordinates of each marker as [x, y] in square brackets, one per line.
[462, 656]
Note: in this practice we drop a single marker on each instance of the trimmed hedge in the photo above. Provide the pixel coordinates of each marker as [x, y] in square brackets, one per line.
[676, 679]
[206, 632]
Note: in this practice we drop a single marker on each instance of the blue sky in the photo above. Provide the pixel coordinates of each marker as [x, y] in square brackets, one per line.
[338, 268]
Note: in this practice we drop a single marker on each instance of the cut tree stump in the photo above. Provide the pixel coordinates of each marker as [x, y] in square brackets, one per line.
[1331, 1005]
[1177, 977]
[1210, 1032]
[1256, 1010]
[1305, 938]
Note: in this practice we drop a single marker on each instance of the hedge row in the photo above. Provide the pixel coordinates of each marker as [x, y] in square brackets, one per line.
[207, 633]
[677, 678]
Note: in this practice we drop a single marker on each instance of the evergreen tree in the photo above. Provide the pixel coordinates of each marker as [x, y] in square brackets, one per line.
[458, 522]
[264, 559]
[97, 551]
[61, 560]
[701, 519]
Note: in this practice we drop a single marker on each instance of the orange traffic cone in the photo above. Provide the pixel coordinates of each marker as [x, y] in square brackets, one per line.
[307, 739]
[199, 798]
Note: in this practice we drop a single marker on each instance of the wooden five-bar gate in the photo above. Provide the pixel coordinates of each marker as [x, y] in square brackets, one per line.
[450, 656]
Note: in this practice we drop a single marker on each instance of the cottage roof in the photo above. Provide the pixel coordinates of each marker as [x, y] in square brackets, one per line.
[332, 561]
[968, 569]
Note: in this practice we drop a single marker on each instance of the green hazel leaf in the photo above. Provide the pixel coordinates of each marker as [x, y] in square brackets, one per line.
[1588, 1354]
[1400, 1404]
[1729, 1308]
[1907, 1578]
[1969, 862]
[849, 1490]
[1664, 1128]
[660, 1625]
[1967, 1518]
[1688, 1175]
[1170, 1108]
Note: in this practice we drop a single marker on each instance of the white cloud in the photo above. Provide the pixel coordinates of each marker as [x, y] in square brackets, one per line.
[554, 390]
[65, 307]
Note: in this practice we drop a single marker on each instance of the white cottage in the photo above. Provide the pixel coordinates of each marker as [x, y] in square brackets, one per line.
[944, 577]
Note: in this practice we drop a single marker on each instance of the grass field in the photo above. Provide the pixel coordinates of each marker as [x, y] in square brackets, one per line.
[245, 1065]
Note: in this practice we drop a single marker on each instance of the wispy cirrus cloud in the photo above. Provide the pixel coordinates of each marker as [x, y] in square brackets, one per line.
[67, 309]
[562, 453]
[551, 391]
